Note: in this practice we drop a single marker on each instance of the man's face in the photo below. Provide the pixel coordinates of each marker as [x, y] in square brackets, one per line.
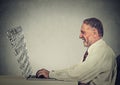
[87, 35]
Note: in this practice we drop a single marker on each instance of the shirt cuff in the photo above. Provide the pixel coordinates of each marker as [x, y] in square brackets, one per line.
[52, 74]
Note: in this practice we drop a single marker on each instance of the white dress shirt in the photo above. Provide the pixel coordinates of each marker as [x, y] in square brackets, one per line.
[99, 68]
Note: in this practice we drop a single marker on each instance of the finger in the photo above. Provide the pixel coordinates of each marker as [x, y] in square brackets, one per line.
[38, 73]
[45, 73]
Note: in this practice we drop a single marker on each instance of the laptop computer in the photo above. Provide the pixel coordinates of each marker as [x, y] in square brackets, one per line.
[17, 41]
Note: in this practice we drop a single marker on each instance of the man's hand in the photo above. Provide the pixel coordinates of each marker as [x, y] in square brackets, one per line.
[43, 72]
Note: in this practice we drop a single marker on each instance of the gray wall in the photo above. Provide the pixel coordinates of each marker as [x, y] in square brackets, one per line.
[51, 29]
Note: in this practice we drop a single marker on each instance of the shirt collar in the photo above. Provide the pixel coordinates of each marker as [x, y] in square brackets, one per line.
[95, 44]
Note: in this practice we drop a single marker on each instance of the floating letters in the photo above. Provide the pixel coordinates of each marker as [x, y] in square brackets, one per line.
[17, 41]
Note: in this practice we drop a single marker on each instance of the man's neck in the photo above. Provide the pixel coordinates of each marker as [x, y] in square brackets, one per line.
[96, 40]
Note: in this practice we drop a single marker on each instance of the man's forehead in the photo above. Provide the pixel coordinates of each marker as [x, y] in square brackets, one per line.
[85, 26]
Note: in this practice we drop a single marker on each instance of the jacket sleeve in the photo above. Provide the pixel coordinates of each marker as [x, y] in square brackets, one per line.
[96, 63]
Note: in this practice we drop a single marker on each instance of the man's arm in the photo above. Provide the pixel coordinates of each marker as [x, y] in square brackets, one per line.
[96, 63]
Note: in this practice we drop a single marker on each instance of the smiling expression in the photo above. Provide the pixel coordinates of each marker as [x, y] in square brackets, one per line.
[88, 34]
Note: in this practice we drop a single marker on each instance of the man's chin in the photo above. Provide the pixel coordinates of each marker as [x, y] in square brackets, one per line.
[85, 44]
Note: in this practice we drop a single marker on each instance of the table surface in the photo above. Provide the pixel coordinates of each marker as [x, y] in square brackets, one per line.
[17, 80]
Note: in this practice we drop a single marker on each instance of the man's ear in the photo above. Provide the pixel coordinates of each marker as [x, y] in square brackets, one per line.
[95, 32]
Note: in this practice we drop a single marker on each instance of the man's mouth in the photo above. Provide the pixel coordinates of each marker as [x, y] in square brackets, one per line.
[83, 39]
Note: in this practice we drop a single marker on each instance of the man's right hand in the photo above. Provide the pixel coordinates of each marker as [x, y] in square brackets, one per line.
[42, 72]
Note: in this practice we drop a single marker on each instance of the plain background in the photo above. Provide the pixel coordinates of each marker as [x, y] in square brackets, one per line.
[51, 29]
